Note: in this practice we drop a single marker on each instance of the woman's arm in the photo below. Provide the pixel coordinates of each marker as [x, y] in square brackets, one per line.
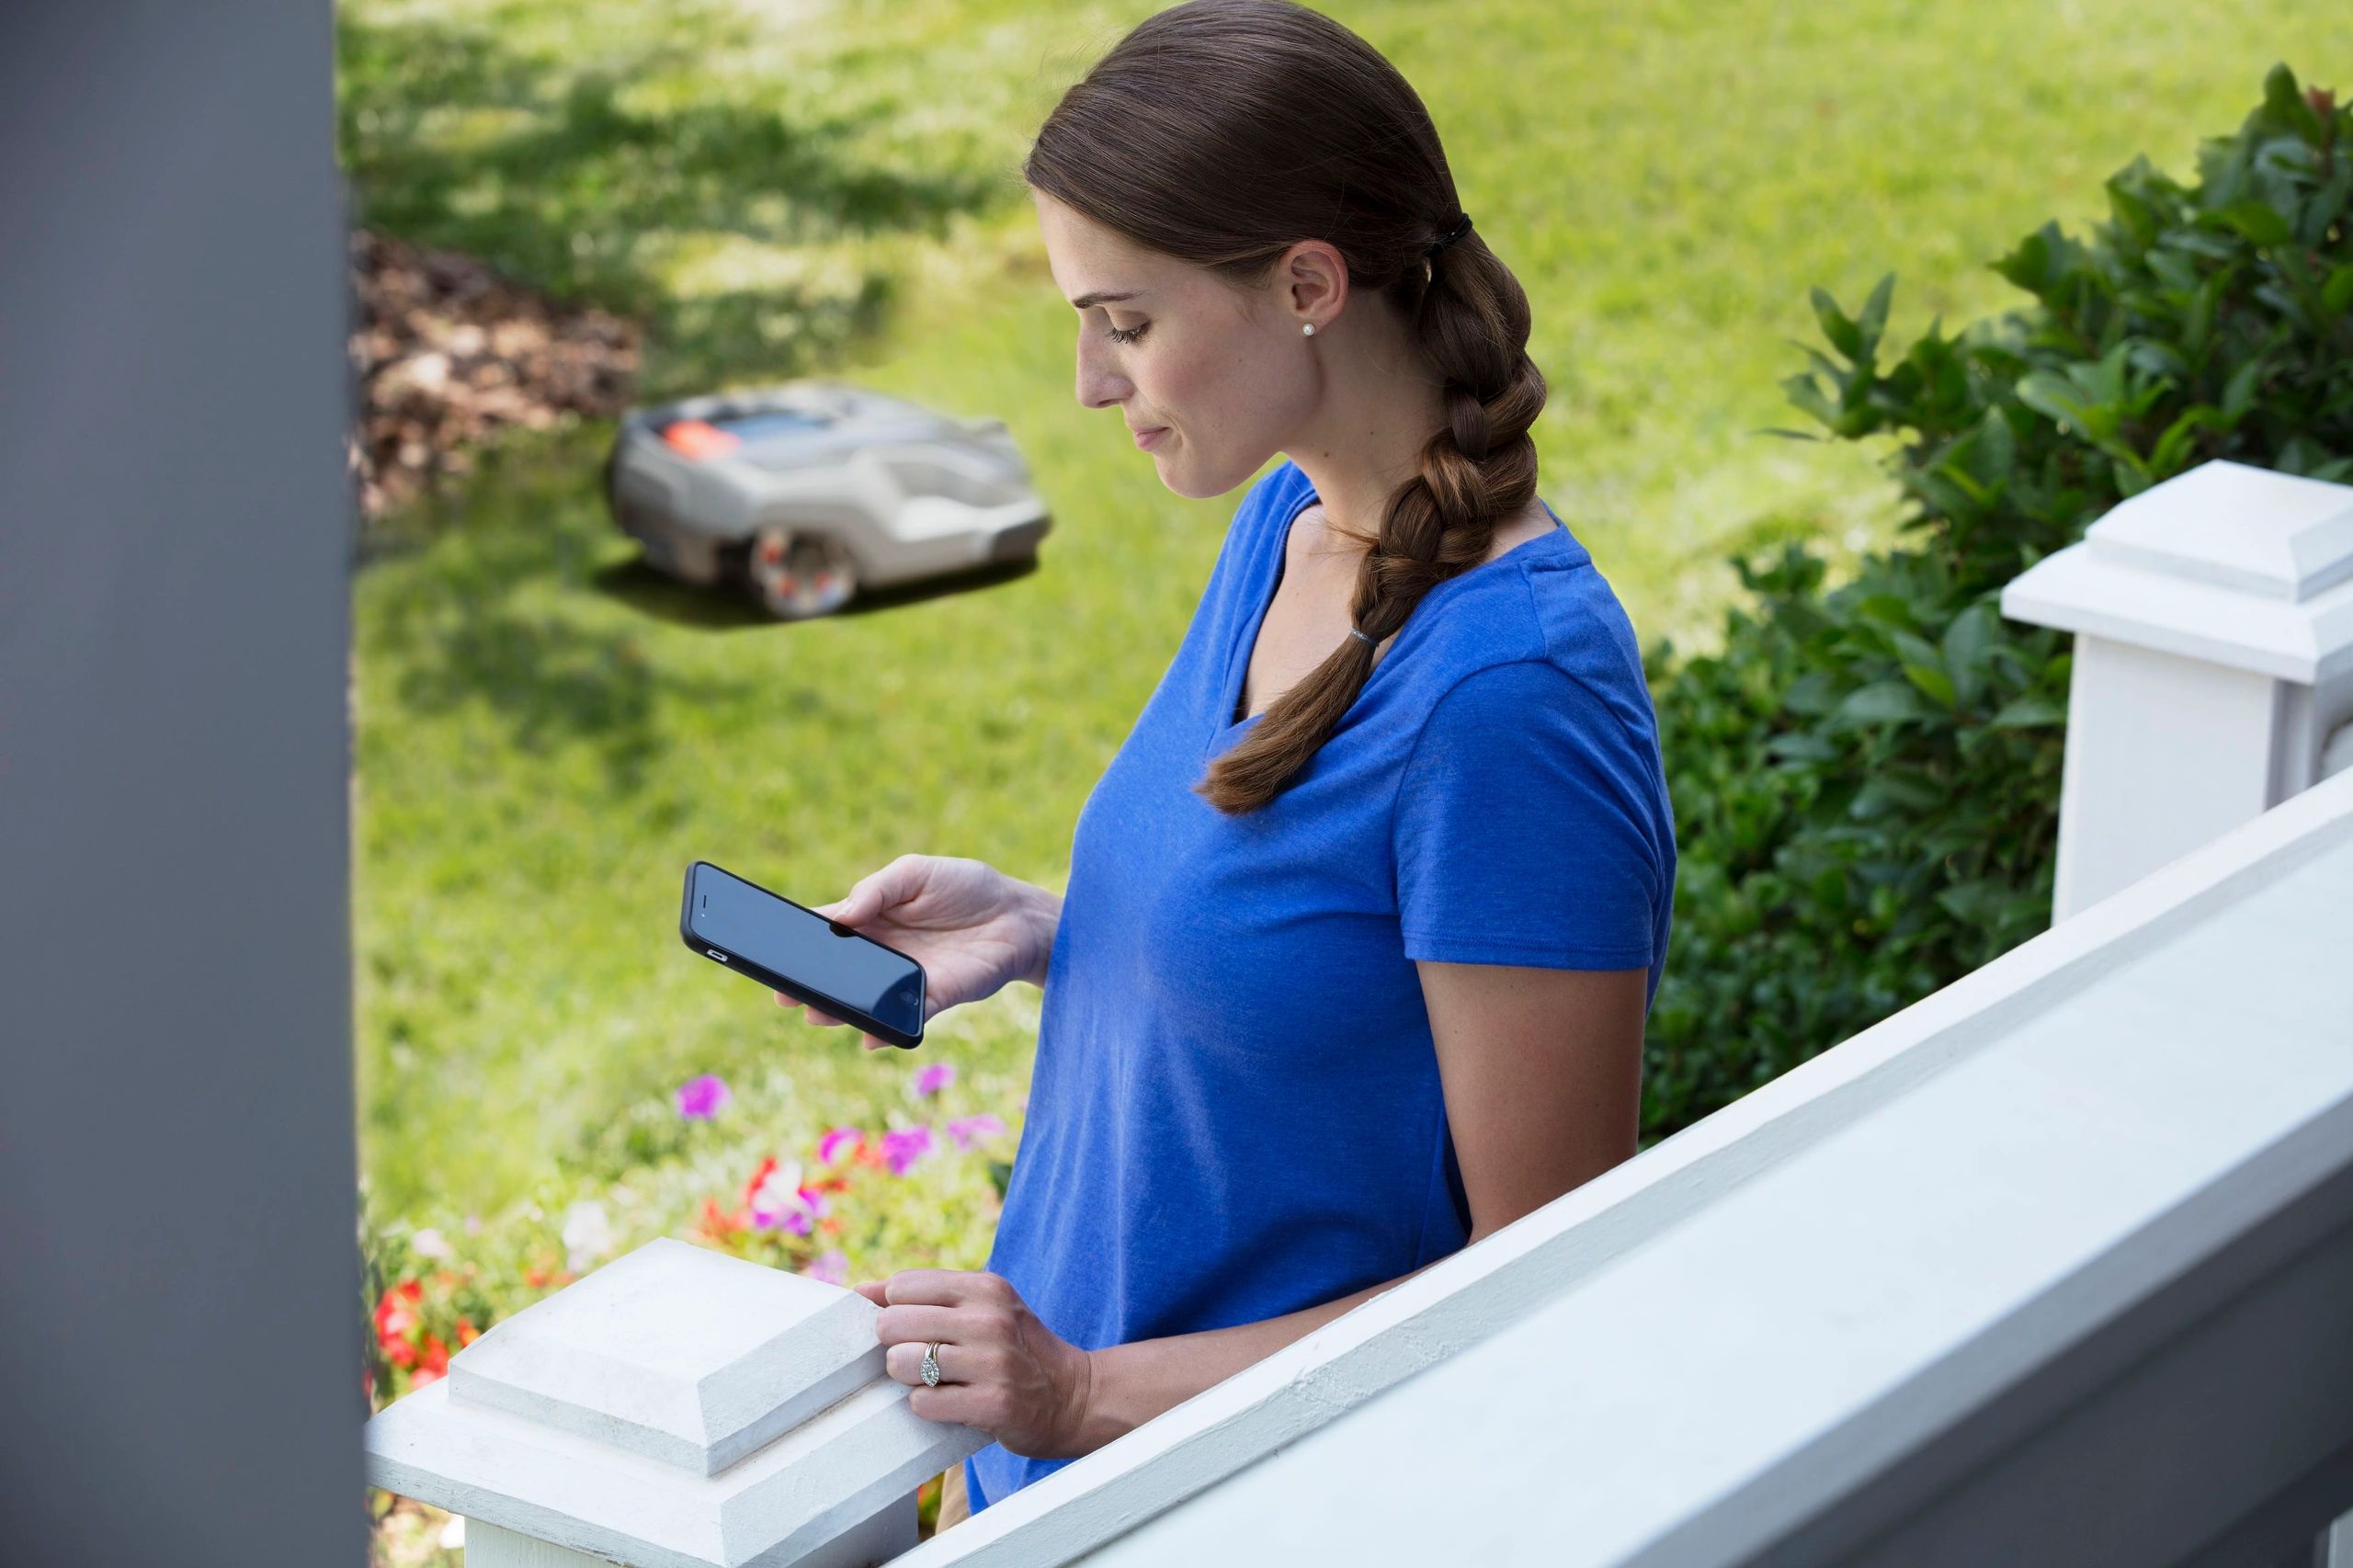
[1541, 1070]
[1130, 1384]
[1543, 1075]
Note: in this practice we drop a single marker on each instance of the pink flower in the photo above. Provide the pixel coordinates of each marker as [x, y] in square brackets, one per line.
[969, 1129]
[902, 1146]
[934, 1077]
[801, 1211]
[700, 1098]
[833, 1267]
[833, 1142]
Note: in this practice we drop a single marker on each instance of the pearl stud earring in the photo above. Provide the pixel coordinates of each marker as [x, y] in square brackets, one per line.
[1307, 329]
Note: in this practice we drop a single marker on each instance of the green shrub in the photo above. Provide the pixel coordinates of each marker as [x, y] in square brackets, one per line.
[1866, 779]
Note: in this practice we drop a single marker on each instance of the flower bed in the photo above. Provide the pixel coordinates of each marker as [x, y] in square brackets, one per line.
[857, 1203]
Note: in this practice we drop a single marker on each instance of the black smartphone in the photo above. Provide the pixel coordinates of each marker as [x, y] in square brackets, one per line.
[796, 950]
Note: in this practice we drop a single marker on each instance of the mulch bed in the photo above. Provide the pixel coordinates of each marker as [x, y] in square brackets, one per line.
[446, 353]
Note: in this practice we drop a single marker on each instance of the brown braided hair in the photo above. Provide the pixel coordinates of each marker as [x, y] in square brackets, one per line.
[1222, 131]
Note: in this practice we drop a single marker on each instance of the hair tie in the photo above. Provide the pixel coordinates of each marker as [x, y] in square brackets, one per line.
[1461, 227]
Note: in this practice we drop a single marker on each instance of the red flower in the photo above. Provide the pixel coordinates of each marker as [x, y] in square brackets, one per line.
[400, 1353]
[418, 1379]
[751, 1187]
[535, 1277]
[396, 1312]
[436, 1358]
[467, 1333]
[716, 1224]
[829, 1226]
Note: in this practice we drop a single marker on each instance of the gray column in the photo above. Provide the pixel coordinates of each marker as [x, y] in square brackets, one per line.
[178, 1273]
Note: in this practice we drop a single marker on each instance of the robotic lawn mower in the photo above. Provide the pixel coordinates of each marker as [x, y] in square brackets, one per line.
[806, 491]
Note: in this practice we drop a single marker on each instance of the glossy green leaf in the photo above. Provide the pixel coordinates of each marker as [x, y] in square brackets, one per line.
[2262, 224]
[2023, 711]
[1841, 333]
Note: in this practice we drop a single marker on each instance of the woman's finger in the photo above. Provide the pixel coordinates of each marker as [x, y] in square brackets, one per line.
[944, 1286]
[920, 1323]
[962, 1403]
[814, 1016]
[903, 1362]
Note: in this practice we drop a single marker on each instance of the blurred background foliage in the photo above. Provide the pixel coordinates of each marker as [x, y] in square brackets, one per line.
[546, 733]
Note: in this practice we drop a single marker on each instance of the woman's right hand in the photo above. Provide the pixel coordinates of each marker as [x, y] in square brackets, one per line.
[971, 928]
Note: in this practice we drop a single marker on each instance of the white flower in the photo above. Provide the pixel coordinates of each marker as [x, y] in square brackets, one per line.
[587, 1235]
[781, 1190]
[428, 1243]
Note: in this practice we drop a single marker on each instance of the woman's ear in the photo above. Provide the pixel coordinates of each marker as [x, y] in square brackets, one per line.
[1313, 281]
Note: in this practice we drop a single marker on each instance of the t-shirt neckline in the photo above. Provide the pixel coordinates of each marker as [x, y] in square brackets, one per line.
[1262, 586]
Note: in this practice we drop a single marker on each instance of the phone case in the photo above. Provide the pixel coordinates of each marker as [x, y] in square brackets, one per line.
[770, 978]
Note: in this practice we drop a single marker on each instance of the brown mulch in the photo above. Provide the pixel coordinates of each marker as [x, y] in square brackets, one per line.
[446, 352]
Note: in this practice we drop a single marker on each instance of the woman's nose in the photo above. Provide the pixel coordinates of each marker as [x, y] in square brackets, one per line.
[1098, 386]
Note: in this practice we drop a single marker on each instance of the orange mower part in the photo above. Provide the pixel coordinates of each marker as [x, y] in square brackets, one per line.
[698, 439]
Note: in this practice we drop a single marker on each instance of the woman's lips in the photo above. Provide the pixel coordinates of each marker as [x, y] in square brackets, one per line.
[1145, 438]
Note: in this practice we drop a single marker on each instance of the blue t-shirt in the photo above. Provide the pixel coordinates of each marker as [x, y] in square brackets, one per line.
[1235, 1110]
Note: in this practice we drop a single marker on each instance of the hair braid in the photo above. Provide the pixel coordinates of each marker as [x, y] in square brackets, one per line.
[1474, 322]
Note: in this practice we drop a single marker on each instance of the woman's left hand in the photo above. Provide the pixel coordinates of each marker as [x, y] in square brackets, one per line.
[1000, 1368]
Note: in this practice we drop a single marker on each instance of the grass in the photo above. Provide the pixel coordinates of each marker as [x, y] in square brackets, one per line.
[547, 733]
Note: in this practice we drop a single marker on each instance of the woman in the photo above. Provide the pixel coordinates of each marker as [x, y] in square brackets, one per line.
[1365, 915]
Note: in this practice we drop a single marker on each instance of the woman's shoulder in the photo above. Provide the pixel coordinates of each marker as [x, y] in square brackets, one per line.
[1538, 635]
[1544, 600]
[1585, 627]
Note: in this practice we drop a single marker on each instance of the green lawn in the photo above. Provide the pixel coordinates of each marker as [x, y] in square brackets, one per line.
[548, 733]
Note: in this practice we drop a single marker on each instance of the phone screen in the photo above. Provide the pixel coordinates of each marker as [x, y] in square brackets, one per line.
[803, 947]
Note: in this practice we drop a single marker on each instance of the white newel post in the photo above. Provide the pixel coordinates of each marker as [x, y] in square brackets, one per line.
[2213, 664]
[2213, 677]
[676, 1408]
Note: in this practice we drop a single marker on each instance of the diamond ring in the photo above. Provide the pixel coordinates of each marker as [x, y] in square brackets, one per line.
[931, 1365]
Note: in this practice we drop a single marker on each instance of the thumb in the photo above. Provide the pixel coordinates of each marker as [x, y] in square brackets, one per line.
[850, 908]
[865, 900]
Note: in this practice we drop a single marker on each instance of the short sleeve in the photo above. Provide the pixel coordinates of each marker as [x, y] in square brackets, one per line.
[1527, 826]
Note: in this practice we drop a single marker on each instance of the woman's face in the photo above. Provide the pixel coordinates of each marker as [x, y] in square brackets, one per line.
[1227, 378]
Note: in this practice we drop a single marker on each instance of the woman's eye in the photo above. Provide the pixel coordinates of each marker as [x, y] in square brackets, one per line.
[1116, 336]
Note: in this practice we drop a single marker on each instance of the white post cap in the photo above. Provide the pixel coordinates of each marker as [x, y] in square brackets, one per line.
[676, 1408]
[2237, 565]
